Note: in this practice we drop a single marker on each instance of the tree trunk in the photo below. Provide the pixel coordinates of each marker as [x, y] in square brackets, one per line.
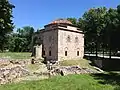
[2, 47]
[110, 53]
[96, 50]
[103, 52]
[110, 47]
[91, 50]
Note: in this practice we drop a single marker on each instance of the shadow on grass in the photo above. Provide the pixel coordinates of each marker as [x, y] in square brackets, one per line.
[110, 78]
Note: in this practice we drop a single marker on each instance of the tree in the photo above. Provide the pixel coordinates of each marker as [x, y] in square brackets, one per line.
[16, 43]
[94, 26]
[118, 8]
[26, 32]
[6, 25]
[111, 28]
[73, 21]
[22, 40]
[81, 24]
[101, 28]
[113, 32]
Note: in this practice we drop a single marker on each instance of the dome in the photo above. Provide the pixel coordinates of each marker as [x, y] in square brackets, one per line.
[58, 21]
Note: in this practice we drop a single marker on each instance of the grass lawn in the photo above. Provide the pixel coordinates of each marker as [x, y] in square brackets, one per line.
[70, 82]
[14, 55]
[82, 63]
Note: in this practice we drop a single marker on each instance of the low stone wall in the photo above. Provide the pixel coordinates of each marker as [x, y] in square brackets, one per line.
[9, 74]
[12, 69]
[65, 70]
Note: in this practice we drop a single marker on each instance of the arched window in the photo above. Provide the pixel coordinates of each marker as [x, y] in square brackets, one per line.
[76, 39]
[50, 49]
[68, 38]
[49, 53]
[77, 53]
[65, 53]
[66, 49]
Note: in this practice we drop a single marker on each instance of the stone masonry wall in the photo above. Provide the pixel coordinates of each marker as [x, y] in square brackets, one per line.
[58, 39]
[50, 43]
[74, 44]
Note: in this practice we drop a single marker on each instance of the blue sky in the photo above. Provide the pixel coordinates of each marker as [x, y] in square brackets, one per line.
[38, 13]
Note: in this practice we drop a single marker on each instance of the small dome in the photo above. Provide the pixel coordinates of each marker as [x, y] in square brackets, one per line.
[58, 21]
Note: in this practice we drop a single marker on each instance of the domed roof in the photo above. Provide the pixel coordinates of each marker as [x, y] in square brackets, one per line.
[58, 21]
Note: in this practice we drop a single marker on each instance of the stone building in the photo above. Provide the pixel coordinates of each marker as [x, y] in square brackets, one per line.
[59, 40]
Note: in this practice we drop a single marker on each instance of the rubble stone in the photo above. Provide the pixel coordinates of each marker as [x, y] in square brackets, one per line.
[65, 70]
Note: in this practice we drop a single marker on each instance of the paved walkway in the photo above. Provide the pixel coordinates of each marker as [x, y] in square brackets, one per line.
[105, 56]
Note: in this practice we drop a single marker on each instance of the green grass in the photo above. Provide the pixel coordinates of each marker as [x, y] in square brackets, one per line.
[33, 67]
[70, 82]
[14, 55]
[82, 63]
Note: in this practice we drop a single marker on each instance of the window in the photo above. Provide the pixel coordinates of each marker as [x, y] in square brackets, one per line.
[65, 53]
[49, 53]
[68, 38]
[77, 53]
[76, 39]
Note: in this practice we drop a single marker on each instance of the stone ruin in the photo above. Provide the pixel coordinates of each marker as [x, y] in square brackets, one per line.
[55, 69]
[8, 75]
[11, 70]
[66, 70]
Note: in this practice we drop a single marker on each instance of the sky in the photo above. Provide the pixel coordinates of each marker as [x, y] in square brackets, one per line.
[37, 13]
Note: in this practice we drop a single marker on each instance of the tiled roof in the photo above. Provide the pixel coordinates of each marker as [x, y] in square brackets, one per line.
[61, 21]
